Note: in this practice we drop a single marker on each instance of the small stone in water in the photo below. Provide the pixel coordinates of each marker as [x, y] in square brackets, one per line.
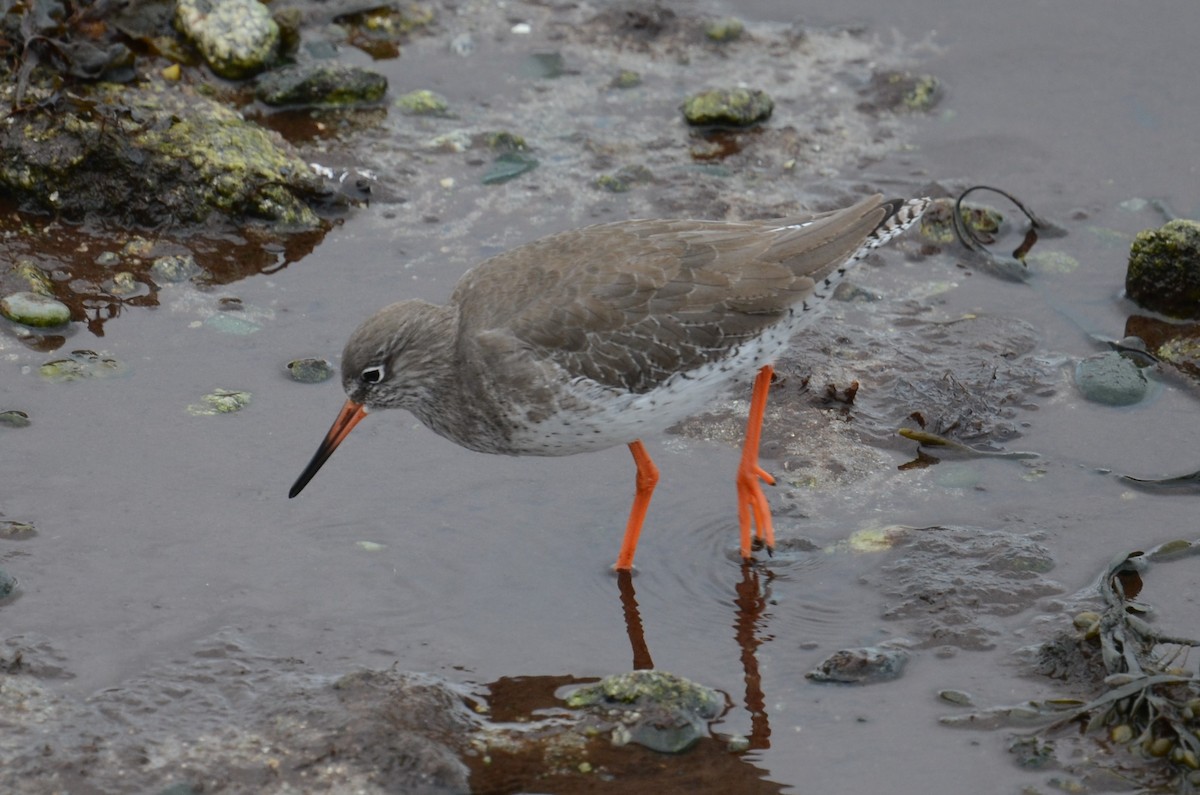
[124, 283]
[1111, 379]
[423, 103]
[370, 546]
[509, 165]
[32, 309]
[14, 419]
[310, 371]
[81, 364]
[655, 709]
[956, 697]
[16, 530]
[231, 324]
[174, 268]
[220, 401]
[861, 666]
[7, 583]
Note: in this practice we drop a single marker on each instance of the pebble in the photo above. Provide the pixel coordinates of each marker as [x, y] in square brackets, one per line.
[1111, 379]
[310, 371]
[31, 309]
[7, 583]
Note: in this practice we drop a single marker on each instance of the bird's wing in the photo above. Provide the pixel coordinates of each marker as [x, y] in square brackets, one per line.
[629, 304]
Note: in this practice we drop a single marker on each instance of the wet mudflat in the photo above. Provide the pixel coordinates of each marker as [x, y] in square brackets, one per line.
[178, 621]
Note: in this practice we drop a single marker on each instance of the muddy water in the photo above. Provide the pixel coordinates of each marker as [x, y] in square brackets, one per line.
[163, 536]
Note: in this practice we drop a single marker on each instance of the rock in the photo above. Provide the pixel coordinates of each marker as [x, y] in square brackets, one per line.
[1175, 343]
[220, 401]
[320, 83]
[310, 371]
[150, 158]
[423, 103]
[508, 166]
[32, 309]
[724, 30]
[228, 323]
[81, 364]
[236, 37]
[8, 583]
[14, 419]
[174, 268]
[38, 280]
[624, 179]
[937, 224]
[739, 107]
[626, 78]
[16, 530]
[1164, 269]
[861, 666]
[903, 92]
[655, 709]
[1111, 379]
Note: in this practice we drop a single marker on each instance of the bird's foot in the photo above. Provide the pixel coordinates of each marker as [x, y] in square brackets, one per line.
[753, 509]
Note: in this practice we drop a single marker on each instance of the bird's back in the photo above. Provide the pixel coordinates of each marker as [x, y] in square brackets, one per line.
[630, 304]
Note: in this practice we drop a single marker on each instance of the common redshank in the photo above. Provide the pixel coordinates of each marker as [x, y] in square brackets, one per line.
[595, 337]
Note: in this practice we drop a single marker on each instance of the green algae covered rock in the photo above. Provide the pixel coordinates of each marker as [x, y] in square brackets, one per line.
[32, 309]
[1164, 269]
[151, 156]
[237, 38]
[738, 107]
[655, 709]
[324, 83]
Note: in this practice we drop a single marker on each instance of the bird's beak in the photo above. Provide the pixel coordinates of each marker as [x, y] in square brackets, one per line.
[347, 418]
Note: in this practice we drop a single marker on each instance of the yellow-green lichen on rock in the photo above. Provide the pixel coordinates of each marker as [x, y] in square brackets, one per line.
[738, 107]
[146, 156]
[237, 38]
[1164, 269]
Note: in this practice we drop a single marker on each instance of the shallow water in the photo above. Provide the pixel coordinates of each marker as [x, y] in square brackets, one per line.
[159, 531]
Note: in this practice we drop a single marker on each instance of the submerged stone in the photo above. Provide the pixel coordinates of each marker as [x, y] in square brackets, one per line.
[220, 401]
[724, 30]
[1164, 269]
[861, 666]
[33, 309]
[79, 365]
[16, 530]
[655, 709]
[626, 78]
[174, 268]
[937, 224]
[14, 419]
[739, 107]
[310, 371]
[508, 166]
[8, 583]
[904, 91]
[37, 279]
[227, 323]
[236, 37]
[322, 83]
[423, 103]
[1111, 379]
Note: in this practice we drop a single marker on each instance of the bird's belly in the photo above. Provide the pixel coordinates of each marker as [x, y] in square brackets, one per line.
[599, 418]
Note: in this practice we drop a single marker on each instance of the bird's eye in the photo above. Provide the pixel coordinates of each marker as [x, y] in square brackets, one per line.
[372, 375]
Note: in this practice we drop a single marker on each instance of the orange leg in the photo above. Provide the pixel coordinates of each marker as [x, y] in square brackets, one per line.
[752, 503]
[647, 479]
